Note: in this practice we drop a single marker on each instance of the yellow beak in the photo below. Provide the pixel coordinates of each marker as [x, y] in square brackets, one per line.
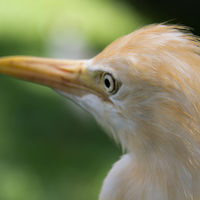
[68, 76]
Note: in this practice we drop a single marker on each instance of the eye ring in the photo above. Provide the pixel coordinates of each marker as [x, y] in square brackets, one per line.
[109, 83]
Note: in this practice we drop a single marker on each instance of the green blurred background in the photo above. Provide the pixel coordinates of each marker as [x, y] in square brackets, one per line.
[49, 148]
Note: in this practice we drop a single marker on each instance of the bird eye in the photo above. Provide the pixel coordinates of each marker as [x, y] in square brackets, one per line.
[109, 83]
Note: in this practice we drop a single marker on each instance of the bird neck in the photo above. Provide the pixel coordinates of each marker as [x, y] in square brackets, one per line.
[166, 142]
[155, 178]
[168, 157]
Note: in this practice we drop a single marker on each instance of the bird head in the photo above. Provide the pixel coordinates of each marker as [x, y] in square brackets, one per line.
[143, 88]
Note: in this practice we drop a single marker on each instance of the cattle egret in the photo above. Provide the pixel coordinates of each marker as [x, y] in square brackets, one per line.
[144, 89]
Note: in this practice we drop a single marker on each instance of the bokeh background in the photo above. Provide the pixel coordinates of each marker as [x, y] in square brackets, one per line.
[49, 148]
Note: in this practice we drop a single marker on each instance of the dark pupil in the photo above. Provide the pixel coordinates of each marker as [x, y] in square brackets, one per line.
[107, 83]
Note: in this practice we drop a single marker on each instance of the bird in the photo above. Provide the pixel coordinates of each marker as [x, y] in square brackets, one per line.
[144, 90]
